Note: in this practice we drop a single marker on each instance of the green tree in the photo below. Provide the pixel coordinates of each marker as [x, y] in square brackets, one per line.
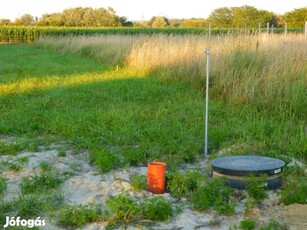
[55, 19]
[222, 17]
[124, 22]
[25, 20]
[107, 18]
[159, 22]
[246, 16]
[296, 18]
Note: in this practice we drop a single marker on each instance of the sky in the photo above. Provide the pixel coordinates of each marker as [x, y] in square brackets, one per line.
[143, 9]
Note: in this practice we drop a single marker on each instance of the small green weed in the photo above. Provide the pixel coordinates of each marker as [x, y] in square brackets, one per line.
[156, 209]
[45, 167]
[3, 184]
[249, 205]
[256, 187]
[124, 209]
[294, 191]
[105, 161]
[62, 153]
[16, 165]
[6, 207]
[181, 185]
[30, 205]
[40, 183]
[76, 216]
[139, 182]
[9, 148]
[274, 225]
[213, 194]
[247, 224]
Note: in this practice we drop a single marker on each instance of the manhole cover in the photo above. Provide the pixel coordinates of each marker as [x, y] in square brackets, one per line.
[236, 168]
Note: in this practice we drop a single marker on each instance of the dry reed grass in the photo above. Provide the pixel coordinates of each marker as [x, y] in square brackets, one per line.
[250, 69]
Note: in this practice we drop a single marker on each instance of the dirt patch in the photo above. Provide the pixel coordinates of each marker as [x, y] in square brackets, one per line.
[86, 185]
[294, 215]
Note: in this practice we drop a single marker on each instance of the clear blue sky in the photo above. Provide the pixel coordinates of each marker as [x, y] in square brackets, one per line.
[143, 9]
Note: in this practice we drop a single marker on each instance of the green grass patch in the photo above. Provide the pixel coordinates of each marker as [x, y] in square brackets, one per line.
[125, 119]
[40, 183]
[76, 216]
[183, 184]
[213, 194]
[3, 185]
[139, 182]
[247, 224]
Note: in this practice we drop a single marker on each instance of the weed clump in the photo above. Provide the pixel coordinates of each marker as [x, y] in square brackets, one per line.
[40, 183]
[76, 216]
[105, 161]
[295, 191]
[156, 209]
[274, 225]
[213, 194]
[247, 224]
[124, 209]
[181, 185]
[256, 187]
[138, 182]
[294, 188]
[3, 184]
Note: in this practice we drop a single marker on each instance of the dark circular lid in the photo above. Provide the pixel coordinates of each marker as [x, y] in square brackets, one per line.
[247, 165]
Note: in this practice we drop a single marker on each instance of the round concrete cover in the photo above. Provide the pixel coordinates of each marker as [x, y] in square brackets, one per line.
[247, 165]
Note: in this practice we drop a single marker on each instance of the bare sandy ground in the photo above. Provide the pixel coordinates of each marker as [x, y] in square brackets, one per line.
[87, 185]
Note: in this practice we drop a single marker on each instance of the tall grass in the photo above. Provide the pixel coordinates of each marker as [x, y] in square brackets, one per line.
[108, 49]
[269, 71]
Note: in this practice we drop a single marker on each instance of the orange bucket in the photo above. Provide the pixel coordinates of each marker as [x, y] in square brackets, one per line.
[156, 177]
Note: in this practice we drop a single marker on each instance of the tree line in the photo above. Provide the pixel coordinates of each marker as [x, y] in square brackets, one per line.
[224, 17]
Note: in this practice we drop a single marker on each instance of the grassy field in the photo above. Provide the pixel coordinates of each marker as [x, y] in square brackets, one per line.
[143, 97]
[128, 100]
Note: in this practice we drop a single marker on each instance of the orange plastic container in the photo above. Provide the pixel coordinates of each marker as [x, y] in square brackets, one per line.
[156, 177]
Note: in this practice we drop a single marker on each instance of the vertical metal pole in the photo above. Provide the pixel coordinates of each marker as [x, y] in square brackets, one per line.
[259, 28]
[286, 28]
[207, 100]
[209, 30]
[267, 28]
[306, 29]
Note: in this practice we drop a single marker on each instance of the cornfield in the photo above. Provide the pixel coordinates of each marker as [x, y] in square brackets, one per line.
[30, 34]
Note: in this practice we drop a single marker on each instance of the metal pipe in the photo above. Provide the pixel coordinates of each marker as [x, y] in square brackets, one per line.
[207, 100]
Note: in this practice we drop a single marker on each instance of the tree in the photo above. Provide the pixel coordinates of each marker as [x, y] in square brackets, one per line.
[55, 19]
[194, 23]
[73, 16]
[246, 16]
[25, 20]
[5, 22]
[124, 21]
[159, 22]
[296, 18]
[222, 17]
